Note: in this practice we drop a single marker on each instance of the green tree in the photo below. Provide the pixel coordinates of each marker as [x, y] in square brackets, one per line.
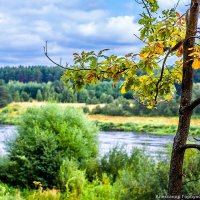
[82, 96]
[4, 95]
[149, 74]
[16, 96]
[105, 98]
[39, 95]
[25, 96]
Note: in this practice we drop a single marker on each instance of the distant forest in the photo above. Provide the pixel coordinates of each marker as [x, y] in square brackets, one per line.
[43, 84]
[43, 74]
[39, 74]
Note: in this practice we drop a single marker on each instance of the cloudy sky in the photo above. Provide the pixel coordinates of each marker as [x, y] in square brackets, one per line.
[69, 26]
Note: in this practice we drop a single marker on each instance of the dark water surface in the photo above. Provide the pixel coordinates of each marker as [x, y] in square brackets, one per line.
[153, 144]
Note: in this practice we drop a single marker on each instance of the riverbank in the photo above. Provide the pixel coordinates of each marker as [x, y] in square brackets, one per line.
[144, 128]
[152, 125]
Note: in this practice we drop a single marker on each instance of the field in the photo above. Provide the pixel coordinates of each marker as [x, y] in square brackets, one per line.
[139, 119]
[154, 125]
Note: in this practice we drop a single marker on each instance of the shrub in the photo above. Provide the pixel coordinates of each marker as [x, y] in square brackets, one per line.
[47, 136]
[113, 161]
[71, 178]
[86, 109]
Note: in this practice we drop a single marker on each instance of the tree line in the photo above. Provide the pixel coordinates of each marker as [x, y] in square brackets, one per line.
[50, 88]
[42, 74]
[25, 74]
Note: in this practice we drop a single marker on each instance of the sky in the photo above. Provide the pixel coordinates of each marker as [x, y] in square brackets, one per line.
[69, 26]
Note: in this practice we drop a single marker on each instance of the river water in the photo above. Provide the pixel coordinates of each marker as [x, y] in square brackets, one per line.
[153, 145]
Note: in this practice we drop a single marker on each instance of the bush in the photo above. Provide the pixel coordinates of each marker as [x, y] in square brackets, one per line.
[86, 109]
[136, 175]
[47, 136]
[71, 178]
[115, 160]
[112, 109]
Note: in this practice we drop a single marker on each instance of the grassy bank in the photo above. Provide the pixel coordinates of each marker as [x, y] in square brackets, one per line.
[157, 129]
[153, 125]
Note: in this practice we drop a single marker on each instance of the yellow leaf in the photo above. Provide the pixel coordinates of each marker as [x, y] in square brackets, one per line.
[196, 63]
[159, 48]
[105, 75]
[123, 89]
[143, 78]
[143, 56]
[149, 106]
[194, 54]
[178, 15]
[168, 97]
[179, 52]
[151, 1]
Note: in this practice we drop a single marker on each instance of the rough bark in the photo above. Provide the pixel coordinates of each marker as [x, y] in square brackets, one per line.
[176, 165]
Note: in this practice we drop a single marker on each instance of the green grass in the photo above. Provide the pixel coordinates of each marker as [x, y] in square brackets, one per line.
[144, 128]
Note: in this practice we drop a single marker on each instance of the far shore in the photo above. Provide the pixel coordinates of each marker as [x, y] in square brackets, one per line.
[140, 124]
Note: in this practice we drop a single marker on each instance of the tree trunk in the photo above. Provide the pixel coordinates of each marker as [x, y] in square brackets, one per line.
[176, 165]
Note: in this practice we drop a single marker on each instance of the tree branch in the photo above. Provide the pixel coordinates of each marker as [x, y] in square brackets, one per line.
[196, 139]
[189, 146]
[80, 69]
[194, 104]
[59, 65]
[147, 9]
[161, 74]
[66, 67]
[139, 38]
[176, 5]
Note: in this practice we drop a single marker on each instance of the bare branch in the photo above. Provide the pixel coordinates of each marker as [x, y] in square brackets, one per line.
[189, 146]
[59, 65]
[198, 140]
[194, 139]
[176, 5]
[139, 38]
[194, 104]
[80, 69]
[65, 67]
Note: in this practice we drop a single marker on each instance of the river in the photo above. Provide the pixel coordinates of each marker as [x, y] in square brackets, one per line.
[152, 144]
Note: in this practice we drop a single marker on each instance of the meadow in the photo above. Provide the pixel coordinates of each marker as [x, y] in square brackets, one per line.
[148, 124]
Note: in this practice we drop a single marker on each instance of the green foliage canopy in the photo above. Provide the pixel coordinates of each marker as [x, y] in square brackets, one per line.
[147, 74]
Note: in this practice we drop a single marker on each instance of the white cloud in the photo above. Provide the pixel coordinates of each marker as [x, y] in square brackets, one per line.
[114, 29]
[89, 29]
[69, 26]
[122, 27]
[166, 4]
